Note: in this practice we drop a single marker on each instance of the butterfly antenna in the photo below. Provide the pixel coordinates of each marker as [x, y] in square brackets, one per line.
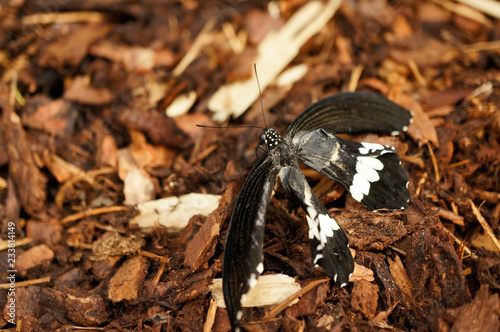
[260, 94]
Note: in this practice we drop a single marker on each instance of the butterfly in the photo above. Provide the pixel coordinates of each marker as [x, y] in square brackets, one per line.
[371, 173]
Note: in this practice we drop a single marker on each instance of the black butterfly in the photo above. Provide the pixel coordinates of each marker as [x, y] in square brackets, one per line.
[372, 173]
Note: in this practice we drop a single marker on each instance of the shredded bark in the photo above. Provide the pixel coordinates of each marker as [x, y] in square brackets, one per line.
[99, 102]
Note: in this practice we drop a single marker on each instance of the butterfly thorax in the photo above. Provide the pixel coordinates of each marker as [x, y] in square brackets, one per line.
[278, 147]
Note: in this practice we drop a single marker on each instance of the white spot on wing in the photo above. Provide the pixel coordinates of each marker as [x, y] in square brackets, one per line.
[360, 187]
[317, 258]
[253, 280]
[321, 226]
[313, 228]
[357, 195]
[372, 162]
[260, 268]
[311, 215]
[367, 172]
[311, 211]
[328, 224]
[373, 146]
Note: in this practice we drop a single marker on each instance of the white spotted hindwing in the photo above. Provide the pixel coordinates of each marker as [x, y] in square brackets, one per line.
[329, 245]
[372, 173]
[243, 255]
[388, 188]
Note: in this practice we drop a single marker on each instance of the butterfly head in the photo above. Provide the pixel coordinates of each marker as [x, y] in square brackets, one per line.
[270, 138]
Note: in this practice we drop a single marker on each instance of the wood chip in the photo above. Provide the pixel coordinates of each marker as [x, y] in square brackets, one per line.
[482, 314]
[456, 219]
[174, 212]
[37, 256]
[271, 289]
[365, 298]
[126, 284]
[400, 276]
[73, 47]
[82, 92]
[181, 104]
[488, 7]
[29, 180]
[484, 224]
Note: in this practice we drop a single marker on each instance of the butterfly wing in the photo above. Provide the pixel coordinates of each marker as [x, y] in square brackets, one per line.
[243, 255]
[390, 188]
[329, 245]
[353, 112]
[372, 173]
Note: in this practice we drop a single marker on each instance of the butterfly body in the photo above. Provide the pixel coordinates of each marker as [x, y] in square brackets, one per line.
[372, 173]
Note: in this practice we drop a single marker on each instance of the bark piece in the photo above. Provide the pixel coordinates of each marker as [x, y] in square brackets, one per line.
[89, 310]
[46, 232]
[27, 302]
[133, 57]
[372, 230]
[377, 263]
[54, 116]
[421, 129]
[82, 92]
[72, 48]
[161, 129]
[30, 181]
[37, 256]
[435, 270]
[482, 314]
[201, 247]
[127, 283]
[309, 302]
[364, 298]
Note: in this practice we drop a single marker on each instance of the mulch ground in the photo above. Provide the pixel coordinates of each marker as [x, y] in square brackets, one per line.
[84, 137]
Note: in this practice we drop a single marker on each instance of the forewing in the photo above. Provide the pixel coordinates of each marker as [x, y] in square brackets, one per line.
[353, 112]
[329, 245]
[372, 173]
[243, 256]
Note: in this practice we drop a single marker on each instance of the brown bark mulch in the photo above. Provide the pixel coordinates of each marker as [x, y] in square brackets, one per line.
[84, 138]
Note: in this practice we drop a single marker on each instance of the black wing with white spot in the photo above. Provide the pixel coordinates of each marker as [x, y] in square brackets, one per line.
[380, 182]
[243, 256]
[329, 245]
[353, 112]
[372, 173]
